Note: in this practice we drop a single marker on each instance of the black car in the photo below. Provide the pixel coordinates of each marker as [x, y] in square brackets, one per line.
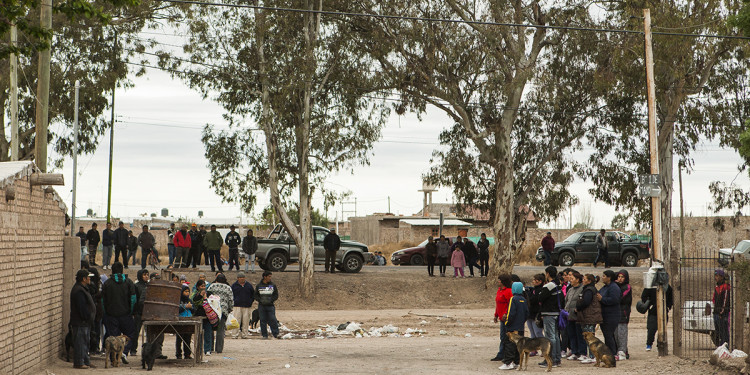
[581, 248]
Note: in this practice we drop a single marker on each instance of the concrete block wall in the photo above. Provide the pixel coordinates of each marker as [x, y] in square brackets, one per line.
[31, 267]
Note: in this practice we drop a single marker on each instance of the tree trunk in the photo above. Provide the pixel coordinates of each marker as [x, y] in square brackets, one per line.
[503, 225]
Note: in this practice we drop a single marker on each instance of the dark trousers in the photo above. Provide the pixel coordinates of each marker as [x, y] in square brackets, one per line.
[431, 265]
[131, 254]
[575, 338]
[443, 264]
[267, 315]
[194, 257]
[602, 256]
[92, 255]
[215, 257]
[472, 262]
[95, 335]
[138, 325]
[81, 345]
[503, 338]
[721, 324]
[608, 331]
[234, 259]
[144, 258]
[182, 344]
[120, 249]
[510, 351]
[123, 325]
[484, 266]
[204, 251]
[547, 258]
[330, 260]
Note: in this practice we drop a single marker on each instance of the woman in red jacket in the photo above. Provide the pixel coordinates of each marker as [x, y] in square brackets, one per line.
[182, 244]
[502, 299]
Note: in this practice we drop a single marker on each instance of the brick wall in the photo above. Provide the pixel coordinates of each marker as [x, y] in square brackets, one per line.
[31, 268]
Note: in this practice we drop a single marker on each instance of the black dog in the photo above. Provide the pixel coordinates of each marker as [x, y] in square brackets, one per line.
[68, 343]
[150, 351]
[255, 320]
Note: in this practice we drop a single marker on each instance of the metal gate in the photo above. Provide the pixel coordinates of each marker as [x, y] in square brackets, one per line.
[701, 328]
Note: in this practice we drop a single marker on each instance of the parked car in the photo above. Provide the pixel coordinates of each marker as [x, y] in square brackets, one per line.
[415, 256]
[727, 255]
[278, 250]
[581, 248]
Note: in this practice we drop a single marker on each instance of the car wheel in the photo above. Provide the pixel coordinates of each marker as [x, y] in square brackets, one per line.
[416, 260]
[352, 263]
[567, 259]
[629, 260]
[276, 262]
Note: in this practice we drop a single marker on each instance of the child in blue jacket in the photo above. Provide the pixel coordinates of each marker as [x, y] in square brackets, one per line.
[186, 310]
[514, 320]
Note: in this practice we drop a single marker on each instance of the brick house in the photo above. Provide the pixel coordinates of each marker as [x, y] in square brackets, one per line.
[32, 231]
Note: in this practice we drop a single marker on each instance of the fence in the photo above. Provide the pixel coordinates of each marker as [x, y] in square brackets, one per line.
[703, 330]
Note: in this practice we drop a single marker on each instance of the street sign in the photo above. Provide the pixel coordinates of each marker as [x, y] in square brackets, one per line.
[649, 185]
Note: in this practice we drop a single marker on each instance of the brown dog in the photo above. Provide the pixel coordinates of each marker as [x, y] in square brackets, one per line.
[526, 345]
[114, 346]
[603, 355]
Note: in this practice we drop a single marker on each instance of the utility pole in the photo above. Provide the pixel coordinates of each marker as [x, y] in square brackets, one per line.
[661, 306]
[42, 91]
[682, 215]
[111, 140]
[389, 204]
[13, 96]
[75, 162]
[570, 216]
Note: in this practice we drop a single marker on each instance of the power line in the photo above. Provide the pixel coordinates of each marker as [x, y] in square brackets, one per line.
[448, 20]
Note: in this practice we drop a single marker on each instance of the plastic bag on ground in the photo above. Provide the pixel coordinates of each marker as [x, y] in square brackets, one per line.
[723, 352]
[736, 353]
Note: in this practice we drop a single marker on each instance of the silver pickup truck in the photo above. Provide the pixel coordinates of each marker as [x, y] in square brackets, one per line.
[278, 250]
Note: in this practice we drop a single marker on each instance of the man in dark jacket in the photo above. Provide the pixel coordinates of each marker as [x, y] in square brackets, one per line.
[626, 302]
[266, 293]
[82, 235]
[602, 246]
[550, 301]
[249, 247]
[204, 249]
[331, 243]
[244, 295]
[140, 296]
[121, 244]
[518, 313]
[108, 244]
[430, 253]
[484, 255]
[95, 289]
[146, 241]
[92, 237]
[196, 241]
[548, 245]
[132, 248]
[443, 253]
[470, 255]
[233, 240]
[609, 296]
[722, 303]
[652, 322]
[119, 299]
[81, 316]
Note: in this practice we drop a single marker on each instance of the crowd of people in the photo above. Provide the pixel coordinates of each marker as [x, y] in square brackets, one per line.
[562, 306]
[112, 305]
[185, 248]
[459, 255]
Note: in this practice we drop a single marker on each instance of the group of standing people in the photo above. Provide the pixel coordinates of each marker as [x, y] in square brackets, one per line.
[460, 254]
[561, 307]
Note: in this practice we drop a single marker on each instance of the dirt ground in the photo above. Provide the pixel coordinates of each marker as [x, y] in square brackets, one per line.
[469, 341]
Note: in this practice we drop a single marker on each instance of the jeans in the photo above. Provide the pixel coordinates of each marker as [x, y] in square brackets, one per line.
[121, 249]
[221, 329]
[501, 347]
[602, 256]
[144, 258]
[443, 264]
[268, 317]
[588, 328]
[473, 263]
[243, 315]
[234, 259]
[547, 258]
[107, 254]
[431, 265]
[131, 257]
[208, 336]
[721, 324]
[170, 251]
[116, 326]
[215, 257]
[621, 337]
[484, 266]
[575, 338]
[330, 263]
[250, 262]
[550, 332]
[534, 330]
[608, 331]
[81, 345]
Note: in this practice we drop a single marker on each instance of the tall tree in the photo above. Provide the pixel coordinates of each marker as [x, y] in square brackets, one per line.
[292, 75]
[514, 105]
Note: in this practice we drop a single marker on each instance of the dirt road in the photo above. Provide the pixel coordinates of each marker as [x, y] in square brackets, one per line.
[454, 352]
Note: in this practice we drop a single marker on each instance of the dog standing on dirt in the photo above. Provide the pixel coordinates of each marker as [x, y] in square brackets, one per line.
[114, 345]
[255, 319]
[526, 345]
[149, 351]
[601, 352]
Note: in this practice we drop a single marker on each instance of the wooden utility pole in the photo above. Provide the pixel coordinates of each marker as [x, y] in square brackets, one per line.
[13, 96]
[42, 91]
[682, 215]
[656, 238]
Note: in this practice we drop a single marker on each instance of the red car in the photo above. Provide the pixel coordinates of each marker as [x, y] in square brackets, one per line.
[414, 256]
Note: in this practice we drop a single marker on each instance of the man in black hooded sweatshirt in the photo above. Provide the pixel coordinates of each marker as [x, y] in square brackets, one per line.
[140, 295]
[118, 298]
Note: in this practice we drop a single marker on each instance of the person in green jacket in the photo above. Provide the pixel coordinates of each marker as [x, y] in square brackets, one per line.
[213, 242]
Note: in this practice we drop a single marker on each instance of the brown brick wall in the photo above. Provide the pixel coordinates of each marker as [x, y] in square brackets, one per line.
[31, 267]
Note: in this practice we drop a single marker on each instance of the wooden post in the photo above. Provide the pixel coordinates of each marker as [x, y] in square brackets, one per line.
[42, 91]
[661, 306]
[47, 179]
[13, 96]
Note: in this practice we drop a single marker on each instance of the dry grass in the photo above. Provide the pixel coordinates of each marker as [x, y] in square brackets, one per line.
[390, 248]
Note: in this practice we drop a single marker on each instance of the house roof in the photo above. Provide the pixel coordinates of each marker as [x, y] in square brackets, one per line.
[15, 170]
[435, 222]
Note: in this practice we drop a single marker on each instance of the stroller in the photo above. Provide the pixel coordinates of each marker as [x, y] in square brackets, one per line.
[153, 258]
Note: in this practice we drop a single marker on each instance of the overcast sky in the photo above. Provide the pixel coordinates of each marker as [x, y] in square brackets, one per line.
[159, 163]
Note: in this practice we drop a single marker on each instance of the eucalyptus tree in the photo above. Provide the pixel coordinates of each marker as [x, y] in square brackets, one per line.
[295, 103]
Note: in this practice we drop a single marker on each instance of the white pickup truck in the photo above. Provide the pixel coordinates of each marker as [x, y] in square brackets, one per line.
[727, 255]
